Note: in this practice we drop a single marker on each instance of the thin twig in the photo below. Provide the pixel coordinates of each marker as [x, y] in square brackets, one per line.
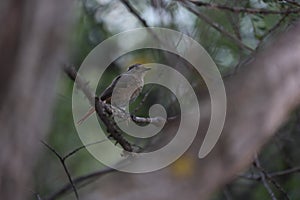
[279, 187]
[82, 147]
[38, 197]
[285, 172]
[263, 179]
[269, 178]
[81, 179]
[276, 26]
[226, 193]
[293, 2]
[250, 57]
[272, 175]
[216, 26]
[134, 12]
[80, 83]
[65, 168]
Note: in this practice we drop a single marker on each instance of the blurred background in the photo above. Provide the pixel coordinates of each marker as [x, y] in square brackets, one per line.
[232, 32]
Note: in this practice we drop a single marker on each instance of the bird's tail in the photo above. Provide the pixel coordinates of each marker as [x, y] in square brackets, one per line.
[88, 114]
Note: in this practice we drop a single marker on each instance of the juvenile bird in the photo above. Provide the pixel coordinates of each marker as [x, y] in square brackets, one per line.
[124, 88]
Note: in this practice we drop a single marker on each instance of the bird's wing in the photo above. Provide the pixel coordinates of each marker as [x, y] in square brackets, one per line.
[108, 91]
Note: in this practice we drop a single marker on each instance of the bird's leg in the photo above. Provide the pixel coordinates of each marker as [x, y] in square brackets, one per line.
[122, 115]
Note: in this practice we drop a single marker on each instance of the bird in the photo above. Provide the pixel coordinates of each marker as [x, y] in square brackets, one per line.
[125, 88]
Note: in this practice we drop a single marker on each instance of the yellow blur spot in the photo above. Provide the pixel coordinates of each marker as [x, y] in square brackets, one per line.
[183, 167]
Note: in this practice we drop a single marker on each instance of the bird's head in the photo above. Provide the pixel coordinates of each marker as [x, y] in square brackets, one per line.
[138, 69]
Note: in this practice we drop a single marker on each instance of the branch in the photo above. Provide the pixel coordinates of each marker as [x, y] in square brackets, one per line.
[272, 174]
[65, 168]
[81, 84]
[285, 172]
[295, 3]
[131, 9]
[102, 109]
[244, 10]
[263, 178]
[82, 147]
[216, 26]
[79, 180]
[277, 25]
[71, 185]
[266, 177]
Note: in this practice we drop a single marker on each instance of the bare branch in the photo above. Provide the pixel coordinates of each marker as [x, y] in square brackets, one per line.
[263, 179]
[285, 172]
[134, 12]
[295, 3]
[102, 109]
[81, 84]
[79, 180]
[216, 26]
[65, 168]
[269, 178]
[82, 147]
[276, 26]
[244, 10]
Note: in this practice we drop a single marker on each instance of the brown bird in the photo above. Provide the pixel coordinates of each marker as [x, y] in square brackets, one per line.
[129, 86]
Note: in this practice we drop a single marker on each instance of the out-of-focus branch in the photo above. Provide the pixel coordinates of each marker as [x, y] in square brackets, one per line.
[134, 12]
[265, 176]
[276, 26]
[285, 172]
[244, 10]
[216, 26]
[264, 179]
[81, 84]
[293, 2]
[273, 174]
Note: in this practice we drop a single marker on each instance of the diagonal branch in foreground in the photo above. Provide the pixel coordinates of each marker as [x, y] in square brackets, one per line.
[103, 110]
